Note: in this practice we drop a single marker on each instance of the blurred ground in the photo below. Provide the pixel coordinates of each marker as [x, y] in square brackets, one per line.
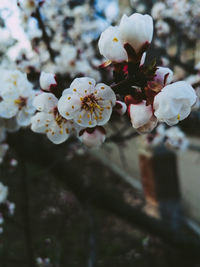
[50, 222]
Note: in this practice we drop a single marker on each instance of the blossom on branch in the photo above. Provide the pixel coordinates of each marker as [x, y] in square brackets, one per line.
[136, 31]
[48, 120]
[92, 137]
[163, 75]
[174, 102]
[86, 103]
[142, 117]
[110, 45]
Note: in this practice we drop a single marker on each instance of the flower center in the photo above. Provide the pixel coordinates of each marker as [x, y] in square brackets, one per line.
[21, 102]
[90, 103]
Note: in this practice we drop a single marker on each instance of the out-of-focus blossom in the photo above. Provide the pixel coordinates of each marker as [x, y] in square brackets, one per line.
[13, 162]
[17, 95]
[86, 103]
[28, 6]
[162, 28]
[176, 139]
[3, 149]
[172, 138]
[174, 102]
[66, 59]
[3, 193]
[157, 10]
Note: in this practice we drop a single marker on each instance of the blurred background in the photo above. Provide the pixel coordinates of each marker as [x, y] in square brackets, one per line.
[135, 200]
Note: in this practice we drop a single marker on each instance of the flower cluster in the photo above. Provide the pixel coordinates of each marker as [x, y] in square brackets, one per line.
[83, 106]
[147, 90]
[144, 91]
[184, 12]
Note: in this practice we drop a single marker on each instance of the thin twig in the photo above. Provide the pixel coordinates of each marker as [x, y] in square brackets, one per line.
[45, 36]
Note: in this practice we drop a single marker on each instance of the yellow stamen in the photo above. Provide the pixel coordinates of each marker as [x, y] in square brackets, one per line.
[115, 39]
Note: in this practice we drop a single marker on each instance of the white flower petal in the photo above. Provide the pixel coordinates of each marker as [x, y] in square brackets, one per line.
[8, 109]
[110, 45]
[83, 85]
[174, 102]
[93, 139]
[57, 135]
[40, 122]
[23, 118]
[68, 105]
[140, 114]
[45, 102]
[105, 92]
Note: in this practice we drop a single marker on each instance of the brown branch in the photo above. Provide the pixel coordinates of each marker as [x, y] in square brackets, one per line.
[45, 36]
[118, 138]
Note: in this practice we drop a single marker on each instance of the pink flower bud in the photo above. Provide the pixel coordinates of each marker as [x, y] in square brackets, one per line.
[47, 81]
[120, 107]
[92, 137]
[140, 114]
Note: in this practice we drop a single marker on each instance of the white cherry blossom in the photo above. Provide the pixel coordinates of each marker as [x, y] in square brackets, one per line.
[136, 30]
[86, 103]
[174, 102]
[48, 120]
[110, 45]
